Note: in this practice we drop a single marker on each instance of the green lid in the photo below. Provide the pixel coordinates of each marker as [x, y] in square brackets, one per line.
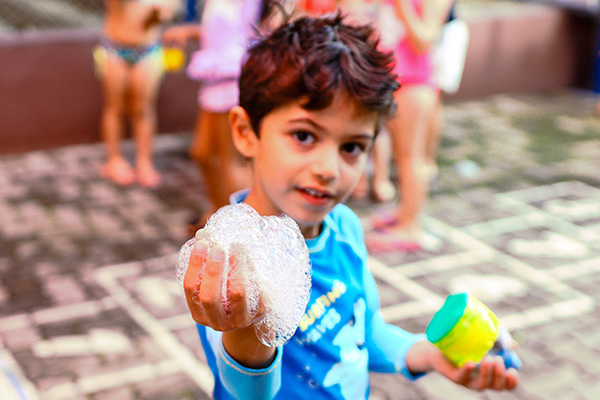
[446, 317]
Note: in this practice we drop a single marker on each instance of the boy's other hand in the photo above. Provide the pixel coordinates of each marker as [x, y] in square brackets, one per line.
[492, 373]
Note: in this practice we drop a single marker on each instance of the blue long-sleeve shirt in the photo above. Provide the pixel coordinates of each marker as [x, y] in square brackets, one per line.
[341, 337]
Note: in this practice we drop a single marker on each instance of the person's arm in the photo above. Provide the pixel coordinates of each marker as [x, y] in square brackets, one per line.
[167, 10]
[179, 35]
[241, 382]
[392, 349]
[423, 30]
[246, 366]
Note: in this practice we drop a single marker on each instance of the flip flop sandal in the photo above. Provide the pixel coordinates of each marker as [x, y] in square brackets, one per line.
[385, 241]
[381, 220]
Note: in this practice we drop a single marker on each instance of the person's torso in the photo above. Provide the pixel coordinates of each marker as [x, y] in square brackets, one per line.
[132, 23]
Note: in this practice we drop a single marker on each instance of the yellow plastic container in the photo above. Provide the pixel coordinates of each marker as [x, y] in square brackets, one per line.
[174, 58]
[464, 329]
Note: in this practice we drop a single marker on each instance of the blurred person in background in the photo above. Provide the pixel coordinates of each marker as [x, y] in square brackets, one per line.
[129, 63]
[411, 28]
[225, 30]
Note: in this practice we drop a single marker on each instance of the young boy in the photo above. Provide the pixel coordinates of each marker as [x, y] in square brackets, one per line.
[313, 96]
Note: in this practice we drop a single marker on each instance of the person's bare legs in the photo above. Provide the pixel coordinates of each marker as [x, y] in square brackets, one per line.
[114, 86]
[433, 138]
[145, 78]
[409, 131]
[383, 188]
[223, 168]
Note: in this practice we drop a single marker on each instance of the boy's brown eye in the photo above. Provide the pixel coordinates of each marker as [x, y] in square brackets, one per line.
[353, 148]
[303, 136]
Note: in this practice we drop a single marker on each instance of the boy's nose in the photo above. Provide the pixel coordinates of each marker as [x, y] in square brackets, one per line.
[326, 166]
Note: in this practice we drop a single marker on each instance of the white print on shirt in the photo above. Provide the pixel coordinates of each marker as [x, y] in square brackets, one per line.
[354, 357]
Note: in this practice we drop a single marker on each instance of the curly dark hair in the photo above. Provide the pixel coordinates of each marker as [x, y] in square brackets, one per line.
[317, 58]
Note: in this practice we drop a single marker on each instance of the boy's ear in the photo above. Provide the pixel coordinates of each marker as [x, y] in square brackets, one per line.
[244, 137]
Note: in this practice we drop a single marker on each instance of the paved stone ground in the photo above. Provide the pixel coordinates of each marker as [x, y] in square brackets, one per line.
[89, 308]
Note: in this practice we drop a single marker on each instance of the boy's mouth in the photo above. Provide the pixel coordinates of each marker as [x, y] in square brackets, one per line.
[315, 196]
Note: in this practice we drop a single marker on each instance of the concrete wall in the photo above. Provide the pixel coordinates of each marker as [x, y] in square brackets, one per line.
[525, 47]
[49, 96]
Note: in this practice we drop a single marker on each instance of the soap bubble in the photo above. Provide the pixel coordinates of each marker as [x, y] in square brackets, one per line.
[272, 261]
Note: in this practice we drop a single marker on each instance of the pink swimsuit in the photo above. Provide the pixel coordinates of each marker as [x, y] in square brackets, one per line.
[412, 66]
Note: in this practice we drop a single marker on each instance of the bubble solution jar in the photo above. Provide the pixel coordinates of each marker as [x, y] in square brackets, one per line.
[464, 329]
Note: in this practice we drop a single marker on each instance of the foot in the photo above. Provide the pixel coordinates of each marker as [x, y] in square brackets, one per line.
[147, 176]
[388, 240]
[385, 241]
[118, 171]
[380, 220]
[384, 191]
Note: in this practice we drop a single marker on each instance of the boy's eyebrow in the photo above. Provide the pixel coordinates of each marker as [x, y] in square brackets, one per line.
[320, 127]
[309, 121]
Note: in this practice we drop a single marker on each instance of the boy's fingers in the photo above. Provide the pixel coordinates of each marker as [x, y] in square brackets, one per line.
[498, 378]
[195, 270]
[486, 371]
[512, 378]
[458, 375]
[462, 376]
[209, 294]
[199, 234]
[237, 302]
[193, 279]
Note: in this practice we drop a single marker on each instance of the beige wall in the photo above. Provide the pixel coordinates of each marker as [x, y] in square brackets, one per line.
[526, 48]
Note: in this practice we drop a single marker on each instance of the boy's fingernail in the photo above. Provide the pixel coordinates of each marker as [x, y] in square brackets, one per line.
[216, 254]
[200, 246]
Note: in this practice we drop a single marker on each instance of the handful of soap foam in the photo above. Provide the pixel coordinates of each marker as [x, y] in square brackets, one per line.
[272, 260]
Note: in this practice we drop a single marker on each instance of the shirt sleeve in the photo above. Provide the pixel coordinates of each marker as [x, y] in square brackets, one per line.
[242, 382]
[387, 344]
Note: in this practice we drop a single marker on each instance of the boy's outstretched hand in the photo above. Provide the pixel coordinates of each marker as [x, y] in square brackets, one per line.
[492, 374]
[226, 311]
[203, 286]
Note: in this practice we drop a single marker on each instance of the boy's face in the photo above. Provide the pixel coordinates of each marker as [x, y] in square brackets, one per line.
[305, 162]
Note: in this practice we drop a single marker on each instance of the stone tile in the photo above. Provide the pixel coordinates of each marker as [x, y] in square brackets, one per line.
[20, 339]
[64, 290]
[67, 218]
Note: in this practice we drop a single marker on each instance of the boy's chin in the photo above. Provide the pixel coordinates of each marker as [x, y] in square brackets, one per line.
[309, 224]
